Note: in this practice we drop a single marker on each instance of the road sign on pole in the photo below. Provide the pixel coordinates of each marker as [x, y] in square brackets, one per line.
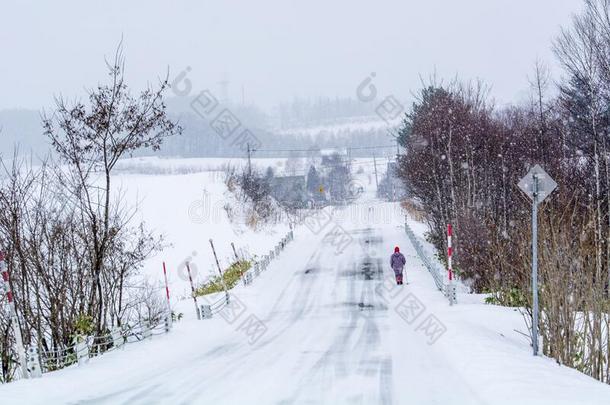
[537, 184]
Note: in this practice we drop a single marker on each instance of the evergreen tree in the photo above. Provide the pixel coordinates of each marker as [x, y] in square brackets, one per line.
[313, 181]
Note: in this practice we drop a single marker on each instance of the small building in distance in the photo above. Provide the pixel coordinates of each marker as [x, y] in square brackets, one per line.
[331, 156]
[290, 191]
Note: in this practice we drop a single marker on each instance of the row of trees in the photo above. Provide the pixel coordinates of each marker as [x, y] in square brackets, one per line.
[322, 110]
[73, 246]
[464, 159]
[200, 140]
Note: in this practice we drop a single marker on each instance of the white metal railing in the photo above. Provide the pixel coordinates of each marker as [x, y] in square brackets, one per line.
[437, 272]
[261, 265]
[208, 310]
[41, 361]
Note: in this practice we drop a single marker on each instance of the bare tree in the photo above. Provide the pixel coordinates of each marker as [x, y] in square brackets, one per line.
[91, 138]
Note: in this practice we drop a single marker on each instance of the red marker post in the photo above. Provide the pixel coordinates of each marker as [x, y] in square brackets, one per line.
[449, 252]
[451, 288]
[13, 312]
[169, 307]
[188, 268]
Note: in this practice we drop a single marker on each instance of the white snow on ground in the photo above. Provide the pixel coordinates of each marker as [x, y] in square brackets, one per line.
[336, 330]
[184, 200]
[188, 209]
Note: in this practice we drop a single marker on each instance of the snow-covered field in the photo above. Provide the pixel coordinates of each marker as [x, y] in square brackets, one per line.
[184, 199]
[333, 327]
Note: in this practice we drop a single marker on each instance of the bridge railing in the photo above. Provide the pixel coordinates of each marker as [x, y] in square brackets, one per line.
[438, 273]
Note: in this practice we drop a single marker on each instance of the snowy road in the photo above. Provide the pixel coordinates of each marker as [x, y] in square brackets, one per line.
[328, 339]
[333, 329]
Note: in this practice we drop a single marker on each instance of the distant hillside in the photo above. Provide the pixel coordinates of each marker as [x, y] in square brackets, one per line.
[22, 128]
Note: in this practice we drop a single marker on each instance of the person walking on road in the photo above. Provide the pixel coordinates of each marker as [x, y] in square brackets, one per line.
[397, 262]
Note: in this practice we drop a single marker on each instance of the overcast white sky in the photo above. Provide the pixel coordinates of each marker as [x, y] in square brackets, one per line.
[276, 49]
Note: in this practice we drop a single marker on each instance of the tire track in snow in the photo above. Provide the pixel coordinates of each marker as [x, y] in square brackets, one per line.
[355, 353]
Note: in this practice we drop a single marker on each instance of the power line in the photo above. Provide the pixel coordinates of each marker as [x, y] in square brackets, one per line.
[372, 147]
[326, 148]
[303, 171]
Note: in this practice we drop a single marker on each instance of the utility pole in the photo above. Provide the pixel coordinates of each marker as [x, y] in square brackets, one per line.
[376, 179]
[249, 162]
